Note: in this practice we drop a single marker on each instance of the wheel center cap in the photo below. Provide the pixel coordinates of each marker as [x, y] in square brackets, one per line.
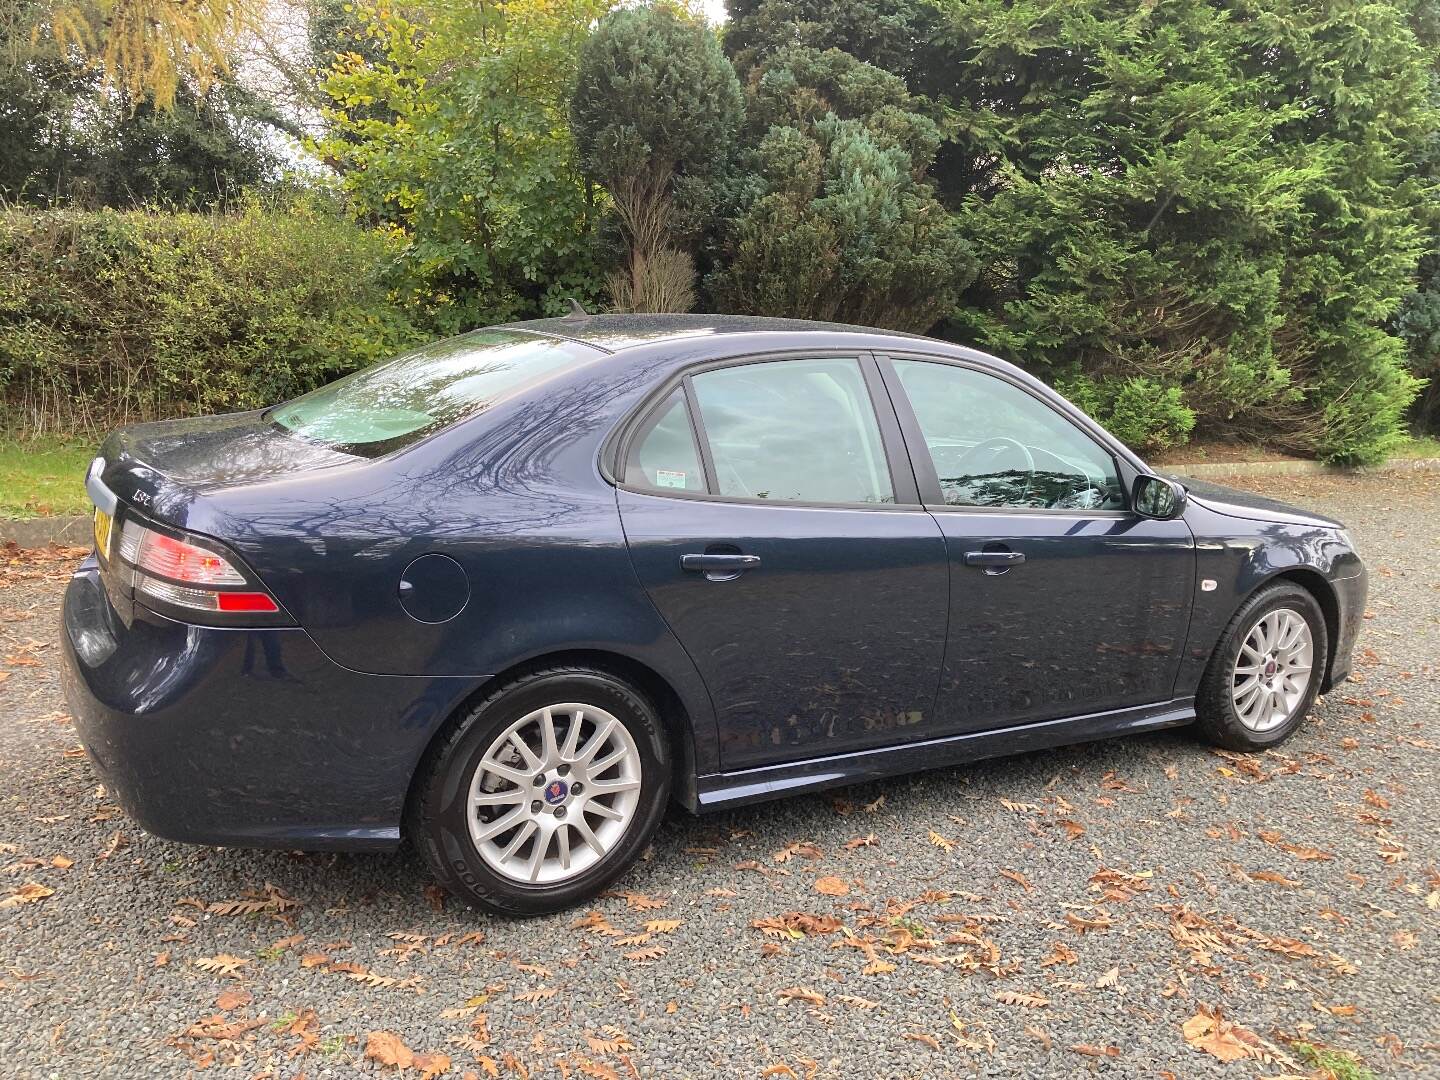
[556, 792]
[1270, 668]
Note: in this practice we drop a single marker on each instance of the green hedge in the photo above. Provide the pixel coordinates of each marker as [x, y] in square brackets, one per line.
[109, 317]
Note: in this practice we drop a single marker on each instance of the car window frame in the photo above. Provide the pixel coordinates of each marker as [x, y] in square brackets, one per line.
[927, 478]
[892, 443]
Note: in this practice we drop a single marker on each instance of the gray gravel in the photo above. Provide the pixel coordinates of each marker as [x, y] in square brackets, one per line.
[101, 978]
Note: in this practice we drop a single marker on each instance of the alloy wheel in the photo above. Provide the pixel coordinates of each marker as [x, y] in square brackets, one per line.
[554, 793]
[1273, 670]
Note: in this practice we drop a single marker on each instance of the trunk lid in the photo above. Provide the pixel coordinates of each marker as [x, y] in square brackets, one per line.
[162, 469]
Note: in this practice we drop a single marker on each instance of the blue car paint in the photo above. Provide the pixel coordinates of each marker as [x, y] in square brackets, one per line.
[884, 653]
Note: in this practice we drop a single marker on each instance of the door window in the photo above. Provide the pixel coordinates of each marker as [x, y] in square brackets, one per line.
[664, 456]
[993, 444]
[794, 431]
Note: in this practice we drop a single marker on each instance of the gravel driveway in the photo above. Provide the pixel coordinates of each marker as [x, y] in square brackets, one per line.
[1057, 914]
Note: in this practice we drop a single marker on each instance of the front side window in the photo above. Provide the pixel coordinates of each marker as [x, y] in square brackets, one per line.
[995, 445]
[794, 431]
[400, 401]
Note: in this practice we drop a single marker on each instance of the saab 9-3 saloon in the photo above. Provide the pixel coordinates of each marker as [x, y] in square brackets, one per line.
[509, 595]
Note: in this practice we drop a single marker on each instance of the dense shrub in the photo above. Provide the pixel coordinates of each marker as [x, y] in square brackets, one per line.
[836, 216]
[1220, 201]
[654, 115]
[1419, 325]
[115, 316]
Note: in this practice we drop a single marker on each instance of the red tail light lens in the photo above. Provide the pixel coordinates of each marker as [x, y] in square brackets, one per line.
[246, 601]
[156, 553]
[189, 575]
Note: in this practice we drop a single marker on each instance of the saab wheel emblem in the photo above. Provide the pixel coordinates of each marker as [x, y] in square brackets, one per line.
[556, 791]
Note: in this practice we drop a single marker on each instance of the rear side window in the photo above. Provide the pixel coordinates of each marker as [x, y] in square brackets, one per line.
[664, 455]
[793, 431]
[400, 401]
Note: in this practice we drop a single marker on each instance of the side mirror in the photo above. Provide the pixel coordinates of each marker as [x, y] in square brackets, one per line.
[1158, 498]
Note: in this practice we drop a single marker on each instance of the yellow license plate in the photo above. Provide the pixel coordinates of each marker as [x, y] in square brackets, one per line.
[102, 533]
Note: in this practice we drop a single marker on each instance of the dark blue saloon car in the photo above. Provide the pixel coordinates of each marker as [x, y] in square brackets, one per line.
[509, 594]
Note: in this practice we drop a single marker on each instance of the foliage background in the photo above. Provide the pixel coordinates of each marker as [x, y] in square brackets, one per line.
[1195, 218]
[110, 316]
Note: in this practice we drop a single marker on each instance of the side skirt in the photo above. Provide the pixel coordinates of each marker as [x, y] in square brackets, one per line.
[720, 791]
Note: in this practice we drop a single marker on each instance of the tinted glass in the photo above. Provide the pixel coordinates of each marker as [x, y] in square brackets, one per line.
[794, 431]
[995, 445]
[399, 401]
[665, 457]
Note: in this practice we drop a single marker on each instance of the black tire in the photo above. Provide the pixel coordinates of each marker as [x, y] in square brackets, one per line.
[437, 822]
[1217, 718]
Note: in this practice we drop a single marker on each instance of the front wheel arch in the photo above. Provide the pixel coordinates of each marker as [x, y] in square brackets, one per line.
[1216, 718]
[1316, 584]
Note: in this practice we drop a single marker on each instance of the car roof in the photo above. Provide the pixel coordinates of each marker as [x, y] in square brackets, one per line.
[615, 333]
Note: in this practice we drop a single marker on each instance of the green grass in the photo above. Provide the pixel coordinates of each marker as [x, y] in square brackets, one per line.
[43, 476]
[1419, 446]
[1339, 1066]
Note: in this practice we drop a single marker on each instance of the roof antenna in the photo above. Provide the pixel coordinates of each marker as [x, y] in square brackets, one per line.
[575, 310]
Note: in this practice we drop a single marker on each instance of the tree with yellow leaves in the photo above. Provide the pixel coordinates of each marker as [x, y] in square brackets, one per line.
[145, 47]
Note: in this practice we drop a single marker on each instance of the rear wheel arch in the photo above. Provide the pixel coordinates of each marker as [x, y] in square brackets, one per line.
[667, 704]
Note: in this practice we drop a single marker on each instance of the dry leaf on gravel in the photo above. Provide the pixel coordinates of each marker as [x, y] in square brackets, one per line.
[1273, 878]
[1207, 1030]
[801, 993]
[233, 999]
[29, 893]
[832, 886]
[254, 901]
[789, 851]
[797, 924]
[1018, 878]
[388, 1049]
[221, 964]
[641, 902]
[614, 1041]
[1026, 1001]
[1096, 1051]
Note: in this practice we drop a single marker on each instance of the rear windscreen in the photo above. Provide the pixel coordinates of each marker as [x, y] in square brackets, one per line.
[400, 401]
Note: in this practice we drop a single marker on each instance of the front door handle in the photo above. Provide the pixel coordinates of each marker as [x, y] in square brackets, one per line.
[719, 567]
[994, 559]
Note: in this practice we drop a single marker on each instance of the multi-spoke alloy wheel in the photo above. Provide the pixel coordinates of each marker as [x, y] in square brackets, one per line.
[1272, 672]
[554, 793]
[1266, 670]
[543, 792]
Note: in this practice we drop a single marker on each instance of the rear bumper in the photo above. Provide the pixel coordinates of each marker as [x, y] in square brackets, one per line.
[248, 737]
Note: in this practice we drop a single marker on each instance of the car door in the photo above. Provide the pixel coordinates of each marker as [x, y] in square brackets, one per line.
[771, 517]
[1062, 600]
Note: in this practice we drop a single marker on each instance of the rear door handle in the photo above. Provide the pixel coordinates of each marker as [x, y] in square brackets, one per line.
[719, 564]
[994, 558]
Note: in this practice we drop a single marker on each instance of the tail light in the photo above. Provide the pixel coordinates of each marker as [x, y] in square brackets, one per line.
[192, 574]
